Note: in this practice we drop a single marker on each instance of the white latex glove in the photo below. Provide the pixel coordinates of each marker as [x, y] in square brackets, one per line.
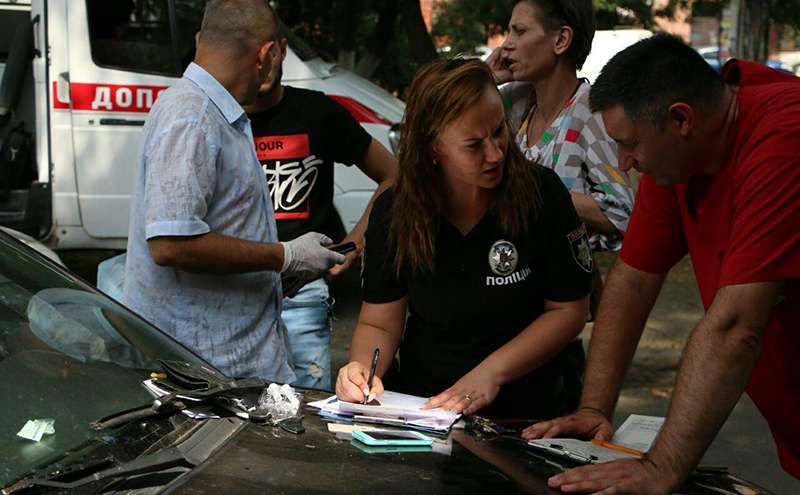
[308, 258]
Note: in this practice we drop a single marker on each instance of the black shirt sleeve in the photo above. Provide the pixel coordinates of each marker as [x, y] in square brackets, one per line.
[379, 280]
[347, 140]
[569, 261]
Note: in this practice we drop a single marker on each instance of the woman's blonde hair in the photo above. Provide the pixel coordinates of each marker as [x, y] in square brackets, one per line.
[440, 93]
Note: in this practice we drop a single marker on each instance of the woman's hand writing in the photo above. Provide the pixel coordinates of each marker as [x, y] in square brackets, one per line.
[351, 384]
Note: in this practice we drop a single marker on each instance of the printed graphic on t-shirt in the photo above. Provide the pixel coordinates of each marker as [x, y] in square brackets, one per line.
[291, 172]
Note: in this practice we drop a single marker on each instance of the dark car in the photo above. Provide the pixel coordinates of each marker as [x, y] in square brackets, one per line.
[73, 363]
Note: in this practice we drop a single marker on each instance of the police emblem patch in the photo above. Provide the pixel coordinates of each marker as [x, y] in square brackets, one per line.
[581, 252]
[503, 258]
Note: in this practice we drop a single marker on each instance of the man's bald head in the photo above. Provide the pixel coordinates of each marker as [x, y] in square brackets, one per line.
[238, 25]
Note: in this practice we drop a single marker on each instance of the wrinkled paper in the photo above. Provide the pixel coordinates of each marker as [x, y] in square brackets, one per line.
[35, 429]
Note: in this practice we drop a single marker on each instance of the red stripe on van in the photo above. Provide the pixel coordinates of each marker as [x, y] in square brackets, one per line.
[361, 113]
[58, 104]
[108, 97]
[139, 99]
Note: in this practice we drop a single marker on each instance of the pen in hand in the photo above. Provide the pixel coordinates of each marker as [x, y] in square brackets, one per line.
[372, 368]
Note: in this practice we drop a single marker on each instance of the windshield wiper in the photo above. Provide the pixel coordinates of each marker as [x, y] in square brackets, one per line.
[195, 385]
[151, 463]
[165, 406]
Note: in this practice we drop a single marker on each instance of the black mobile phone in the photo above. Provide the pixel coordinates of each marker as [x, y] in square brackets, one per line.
[344, 248]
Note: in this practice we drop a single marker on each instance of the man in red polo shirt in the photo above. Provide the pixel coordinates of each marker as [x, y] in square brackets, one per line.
[721, 165]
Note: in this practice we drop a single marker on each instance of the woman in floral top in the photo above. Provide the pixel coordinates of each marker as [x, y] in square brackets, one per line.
[548, 106]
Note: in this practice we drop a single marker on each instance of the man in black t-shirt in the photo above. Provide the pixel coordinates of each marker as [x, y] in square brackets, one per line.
[299, 135]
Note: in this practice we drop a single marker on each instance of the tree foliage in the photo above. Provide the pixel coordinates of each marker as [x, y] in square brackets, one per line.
[785, 13]
[463, 25]
[466, 24]
[386, 40]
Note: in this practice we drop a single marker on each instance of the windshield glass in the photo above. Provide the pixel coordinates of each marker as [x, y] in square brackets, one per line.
[67, 353]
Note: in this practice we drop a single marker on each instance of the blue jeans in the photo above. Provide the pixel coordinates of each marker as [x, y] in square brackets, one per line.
[308, 325]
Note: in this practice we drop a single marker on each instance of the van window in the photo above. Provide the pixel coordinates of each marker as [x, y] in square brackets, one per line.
[136, 35]
[9, 20]
[131, 35]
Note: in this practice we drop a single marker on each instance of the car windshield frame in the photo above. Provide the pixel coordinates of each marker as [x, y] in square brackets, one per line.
[71, 354]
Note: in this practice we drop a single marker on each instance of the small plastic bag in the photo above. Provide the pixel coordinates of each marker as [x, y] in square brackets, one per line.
[280, 402]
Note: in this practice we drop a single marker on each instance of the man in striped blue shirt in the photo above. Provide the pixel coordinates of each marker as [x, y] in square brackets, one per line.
[204, 261]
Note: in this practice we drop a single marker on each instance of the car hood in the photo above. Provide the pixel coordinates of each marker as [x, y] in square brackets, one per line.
[367, 93]
[263, 459]
[336, 80]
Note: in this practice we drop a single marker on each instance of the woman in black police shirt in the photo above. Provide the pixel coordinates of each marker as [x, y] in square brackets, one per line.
[485, 251]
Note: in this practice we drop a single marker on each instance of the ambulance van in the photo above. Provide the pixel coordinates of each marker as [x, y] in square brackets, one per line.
[78, 78]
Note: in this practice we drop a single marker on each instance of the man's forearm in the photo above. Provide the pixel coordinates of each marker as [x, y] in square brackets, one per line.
[714, 371]
[214, 253]
[627, 299]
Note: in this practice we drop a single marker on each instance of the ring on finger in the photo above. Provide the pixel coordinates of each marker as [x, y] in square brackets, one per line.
[466, 396]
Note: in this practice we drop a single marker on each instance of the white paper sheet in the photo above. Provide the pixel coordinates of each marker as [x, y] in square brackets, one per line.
[638, 432]
[394, 408]
[396, 405]
[331, 404]
[35, 429]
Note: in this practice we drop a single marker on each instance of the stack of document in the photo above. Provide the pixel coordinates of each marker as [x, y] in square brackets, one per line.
[635, 436]
[390, 408]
